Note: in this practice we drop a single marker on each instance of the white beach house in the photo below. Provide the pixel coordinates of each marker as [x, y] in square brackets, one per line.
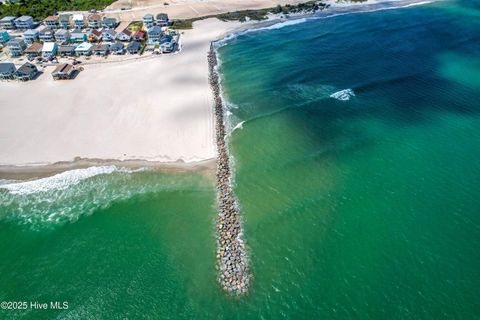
[24, 22]
[64, 21]
[62, 35]
[78, 21]
[31, 35]
[7, 22]
[84, 49]
[51, 22]
[49, 50]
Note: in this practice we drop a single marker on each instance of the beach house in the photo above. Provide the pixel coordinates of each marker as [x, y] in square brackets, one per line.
[78, 35]
[110, 23]
[62, 36]
[109, 35]
[49, 50]
[167, 44]
[26, 72]
[138, 36]
[51, 22]
[117, 48]
[63, 71]
[94, 35]
[24, 22]
[4, 36]
[134, 47]
[162, 19]
[46, 35]
[7, 23]
[35, 50]
[31, 35]
[78, 21]
[84, 49]
[154, 33]
[124, 35]
[148, 20]
[101, 49]
[94, 21]
[16, 47]
[7, 70]
[64, 21]
[66, 50]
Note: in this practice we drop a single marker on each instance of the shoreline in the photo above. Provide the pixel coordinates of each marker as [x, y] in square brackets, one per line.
[226, 32]
[12, 172]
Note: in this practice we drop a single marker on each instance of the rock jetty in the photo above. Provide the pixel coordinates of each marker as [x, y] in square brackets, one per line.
[233, 269]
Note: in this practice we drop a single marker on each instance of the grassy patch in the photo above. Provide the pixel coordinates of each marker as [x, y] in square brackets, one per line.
[135, 26]
[40, 9]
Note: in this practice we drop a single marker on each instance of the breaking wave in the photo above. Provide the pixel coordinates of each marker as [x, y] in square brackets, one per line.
[343, 95]
[238, 126]
[284, 24]
[59, 181]
[65, 197]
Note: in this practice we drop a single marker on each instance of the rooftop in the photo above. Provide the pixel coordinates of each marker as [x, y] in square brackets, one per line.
[66, 48]
[31, 32]
[62, 32]
[27, 68]
[34, 48]
[6, 67]
[46, 31]
[78, 17]
[162, 16]
[8, 18]
[133, 45]
[15, 42]
[117, 45]
[24, 18]
[94, 17]
[49, 46]
[96, 33]
[101, 47]
[51, 18]
[154, 29]
[84, 46]
[63, 68]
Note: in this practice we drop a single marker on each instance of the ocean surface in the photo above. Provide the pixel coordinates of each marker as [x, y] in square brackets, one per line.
[356, 147]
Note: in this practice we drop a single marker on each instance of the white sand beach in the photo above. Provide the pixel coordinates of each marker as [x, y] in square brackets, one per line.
[157, 109]
[184, 9]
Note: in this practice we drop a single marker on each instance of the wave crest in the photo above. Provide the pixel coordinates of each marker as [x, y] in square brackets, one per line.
[59, 181]
[64, 198]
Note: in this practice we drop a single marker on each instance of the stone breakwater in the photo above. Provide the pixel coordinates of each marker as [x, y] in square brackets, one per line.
[233, 270]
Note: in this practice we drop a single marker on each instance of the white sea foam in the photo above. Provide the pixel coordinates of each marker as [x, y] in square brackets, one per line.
[59, 181]
[283, 24]
[343, 95]
[238, 126]
[5, 181]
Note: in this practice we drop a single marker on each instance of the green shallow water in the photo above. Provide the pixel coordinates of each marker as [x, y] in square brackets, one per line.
[366, 208]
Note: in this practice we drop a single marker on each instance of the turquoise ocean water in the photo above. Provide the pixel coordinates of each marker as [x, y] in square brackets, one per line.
[356, 150]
